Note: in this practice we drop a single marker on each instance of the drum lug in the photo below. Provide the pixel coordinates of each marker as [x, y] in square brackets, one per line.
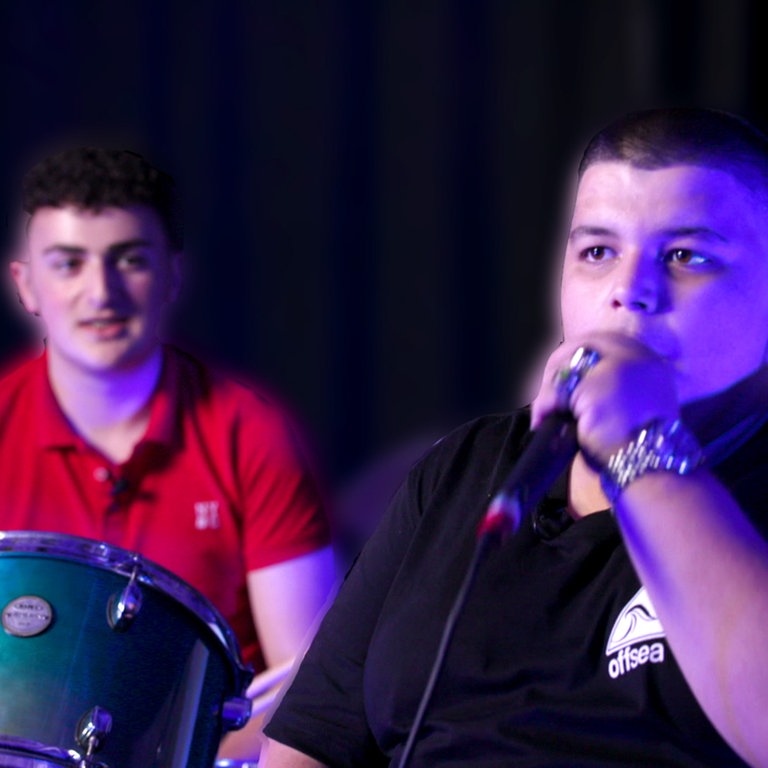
[92, 728]
[123, 608]
[235, 713]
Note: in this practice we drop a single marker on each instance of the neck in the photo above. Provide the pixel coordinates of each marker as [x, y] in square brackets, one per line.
[109, 409]
[585, 493]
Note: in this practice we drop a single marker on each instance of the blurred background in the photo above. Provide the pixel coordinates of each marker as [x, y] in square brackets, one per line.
[373, 189]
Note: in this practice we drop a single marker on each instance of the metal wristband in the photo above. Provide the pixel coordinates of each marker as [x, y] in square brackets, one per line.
[665, 446]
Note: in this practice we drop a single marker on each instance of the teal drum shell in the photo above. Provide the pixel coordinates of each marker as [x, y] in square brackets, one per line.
[166, 678]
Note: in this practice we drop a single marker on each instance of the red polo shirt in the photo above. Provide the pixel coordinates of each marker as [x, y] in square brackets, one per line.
[216, 488]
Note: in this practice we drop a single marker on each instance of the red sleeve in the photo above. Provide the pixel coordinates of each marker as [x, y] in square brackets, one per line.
[283, 515]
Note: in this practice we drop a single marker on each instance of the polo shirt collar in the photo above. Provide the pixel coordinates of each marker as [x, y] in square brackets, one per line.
[52, 426]
[164, 426]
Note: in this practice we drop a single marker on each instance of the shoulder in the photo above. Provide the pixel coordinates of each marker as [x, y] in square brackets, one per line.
[17, 379]
[468, 462]
[222, 400]
[213, 385]
[482, 442]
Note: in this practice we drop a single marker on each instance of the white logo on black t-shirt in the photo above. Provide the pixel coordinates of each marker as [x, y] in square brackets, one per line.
[630, 642]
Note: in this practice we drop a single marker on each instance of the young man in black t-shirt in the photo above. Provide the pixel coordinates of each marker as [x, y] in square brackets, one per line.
[632, 631]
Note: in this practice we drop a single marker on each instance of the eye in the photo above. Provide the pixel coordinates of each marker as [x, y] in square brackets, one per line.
[685, 257]
[132, 261]
[67, 264]
[596, 254]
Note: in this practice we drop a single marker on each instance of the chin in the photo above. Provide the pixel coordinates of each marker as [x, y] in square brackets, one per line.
[112, 362]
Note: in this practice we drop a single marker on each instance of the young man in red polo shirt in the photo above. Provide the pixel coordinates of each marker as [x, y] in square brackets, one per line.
[113, 436]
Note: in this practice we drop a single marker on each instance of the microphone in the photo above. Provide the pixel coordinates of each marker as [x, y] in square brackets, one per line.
[552, 446]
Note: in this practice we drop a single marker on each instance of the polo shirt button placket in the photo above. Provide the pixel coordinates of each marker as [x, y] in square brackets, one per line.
[101, 474]
[105, 477]
[116, 502]
[112, 488]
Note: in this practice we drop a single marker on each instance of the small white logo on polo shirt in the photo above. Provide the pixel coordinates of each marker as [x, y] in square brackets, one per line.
[632, 635]
[207, 515]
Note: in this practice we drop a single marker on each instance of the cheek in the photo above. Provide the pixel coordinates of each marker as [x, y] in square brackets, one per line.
[144, 291]
[578, 309]
[728, 326]
[150, 298]
[48, 301]
[161, 295]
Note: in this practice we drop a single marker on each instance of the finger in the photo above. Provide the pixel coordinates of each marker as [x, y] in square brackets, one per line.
[545, 400]
[558, 389]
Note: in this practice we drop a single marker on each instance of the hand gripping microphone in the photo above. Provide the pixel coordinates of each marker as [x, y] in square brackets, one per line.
[551, 448]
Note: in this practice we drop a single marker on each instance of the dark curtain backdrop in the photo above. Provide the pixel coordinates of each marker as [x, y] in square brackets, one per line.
[372, 189]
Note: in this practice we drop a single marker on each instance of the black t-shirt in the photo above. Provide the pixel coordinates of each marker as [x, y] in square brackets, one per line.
[557, 658]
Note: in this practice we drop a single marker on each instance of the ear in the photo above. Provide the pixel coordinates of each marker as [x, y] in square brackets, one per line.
[20, 272]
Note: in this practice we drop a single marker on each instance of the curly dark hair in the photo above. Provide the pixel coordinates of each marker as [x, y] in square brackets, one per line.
[93, 178]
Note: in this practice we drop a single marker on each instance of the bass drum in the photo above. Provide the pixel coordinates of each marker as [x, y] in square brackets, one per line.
[107, 659]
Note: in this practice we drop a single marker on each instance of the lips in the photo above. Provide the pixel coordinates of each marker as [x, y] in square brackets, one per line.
[105, 328]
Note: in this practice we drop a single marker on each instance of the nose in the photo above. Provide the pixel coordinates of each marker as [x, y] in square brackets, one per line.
[639, 285]
[103, 283]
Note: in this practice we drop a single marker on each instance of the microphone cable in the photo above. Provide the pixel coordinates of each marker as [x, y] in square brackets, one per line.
[551, 448]
[484, 543]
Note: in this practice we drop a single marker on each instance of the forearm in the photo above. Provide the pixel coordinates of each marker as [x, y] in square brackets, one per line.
[277, 755]
[287, 600]
[246, 743]
[705, 569]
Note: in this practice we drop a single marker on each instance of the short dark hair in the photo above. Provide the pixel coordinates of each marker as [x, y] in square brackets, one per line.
[658, 138]
[93, 178]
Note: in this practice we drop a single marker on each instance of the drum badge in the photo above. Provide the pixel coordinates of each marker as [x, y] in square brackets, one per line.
[27, 616]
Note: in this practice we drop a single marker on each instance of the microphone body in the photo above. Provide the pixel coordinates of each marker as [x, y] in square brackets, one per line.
[551, 448]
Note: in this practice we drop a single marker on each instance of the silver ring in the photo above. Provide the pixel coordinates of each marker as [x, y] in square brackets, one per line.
[568, 378]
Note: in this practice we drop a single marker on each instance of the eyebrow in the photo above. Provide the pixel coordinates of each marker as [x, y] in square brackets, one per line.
[672, 232]
[114, 249]
[584, 231]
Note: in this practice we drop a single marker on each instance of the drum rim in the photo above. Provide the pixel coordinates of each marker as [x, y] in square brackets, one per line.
[124, 562]
[26, 749]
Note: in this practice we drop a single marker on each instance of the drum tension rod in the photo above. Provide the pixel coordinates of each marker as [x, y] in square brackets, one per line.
[124, 608]
[92, 728]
